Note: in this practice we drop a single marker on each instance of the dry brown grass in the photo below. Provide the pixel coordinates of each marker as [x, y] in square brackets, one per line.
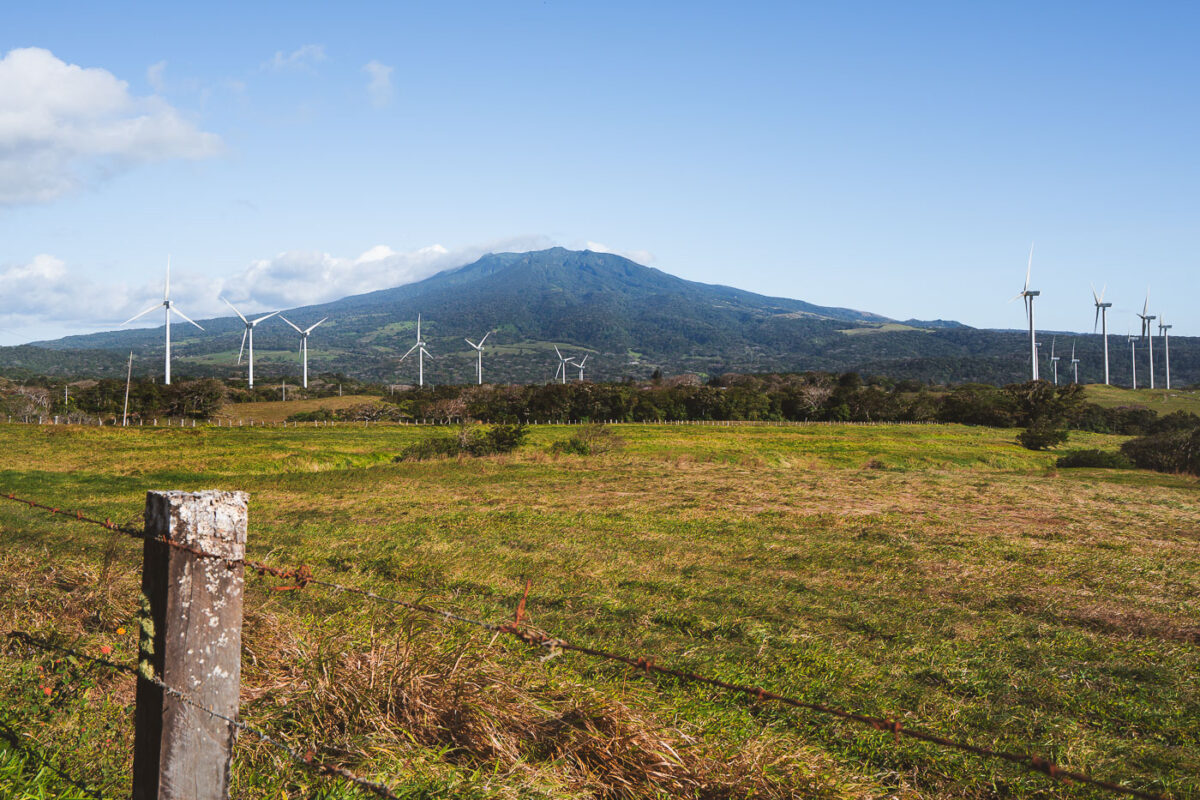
[479, 707]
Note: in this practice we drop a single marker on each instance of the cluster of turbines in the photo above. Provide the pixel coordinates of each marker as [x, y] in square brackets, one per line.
[247, 348]
[560, 374]
[1101, 322]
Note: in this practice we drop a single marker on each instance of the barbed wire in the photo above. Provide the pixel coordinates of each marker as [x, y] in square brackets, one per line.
[304, 576]
[307, 759]
[301, 574]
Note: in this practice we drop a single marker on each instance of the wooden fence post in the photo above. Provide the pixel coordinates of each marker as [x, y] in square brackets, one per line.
[191, 640]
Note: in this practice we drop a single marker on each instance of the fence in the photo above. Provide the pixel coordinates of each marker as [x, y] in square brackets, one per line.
[192, 583]
[222, 422]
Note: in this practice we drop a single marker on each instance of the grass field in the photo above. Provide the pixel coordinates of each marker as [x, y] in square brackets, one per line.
[940, 575]
[278, 411]
[1160, 400]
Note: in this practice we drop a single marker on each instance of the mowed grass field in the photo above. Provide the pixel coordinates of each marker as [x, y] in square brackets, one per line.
[939, 575]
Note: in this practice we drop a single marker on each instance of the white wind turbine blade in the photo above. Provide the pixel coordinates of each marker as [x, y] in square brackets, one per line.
[560, 358]
[425, 353]
[167, 287]
[561, 367]
[185, 317]
[418, 327]
[289, 322]
[312, 327]
[410, 352]
[484, 339]
[585, 358]
[231, 305]
[154, 307]
[1053, 341]
[1029, 267]
[266, 316]
[468, 341]
[242, 349]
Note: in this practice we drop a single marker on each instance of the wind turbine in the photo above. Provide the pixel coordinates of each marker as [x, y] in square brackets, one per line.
[1028, 294]
[1162, 331]
[479, 352]
[421, 354]
[1102, 319]
[1133, 356]
[1054, 359]
[1074, 361]
[562, 364]
[248, 333]
[580, 364]
[1148, 332]
[303, 342]
[168, 307]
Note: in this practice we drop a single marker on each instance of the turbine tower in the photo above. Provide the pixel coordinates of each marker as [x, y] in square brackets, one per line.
[1148, 332]
[1133, 356]
[1028, 294]
[1054, 359]
[479, 360]
[168, 307]
[303, 343]
[1074, 361]
[1102, 319]
[422, 353]
[248, 333]
[562, 365]
[580, 364]
[1162, 331]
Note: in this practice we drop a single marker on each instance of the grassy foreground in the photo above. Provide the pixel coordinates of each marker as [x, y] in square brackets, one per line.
[937, 574]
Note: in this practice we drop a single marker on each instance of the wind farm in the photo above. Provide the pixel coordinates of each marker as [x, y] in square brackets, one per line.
[630, 402]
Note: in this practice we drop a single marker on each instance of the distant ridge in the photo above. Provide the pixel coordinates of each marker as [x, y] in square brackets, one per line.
[632, 319]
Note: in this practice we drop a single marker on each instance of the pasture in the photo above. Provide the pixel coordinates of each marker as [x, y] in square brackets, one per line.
[939, 575]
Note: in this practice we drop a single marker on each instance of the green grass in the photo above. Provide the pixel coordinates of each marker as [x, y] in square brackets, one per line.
[938, 574]
[1160, 400]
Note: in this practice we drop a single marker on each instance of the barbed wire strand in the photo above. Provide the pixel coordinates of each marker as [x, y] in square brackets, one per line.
[306, 759]
[304, 577]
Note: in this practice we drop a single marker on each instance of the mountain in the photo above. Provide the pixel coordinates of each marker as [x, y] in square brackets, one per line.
[631, 319]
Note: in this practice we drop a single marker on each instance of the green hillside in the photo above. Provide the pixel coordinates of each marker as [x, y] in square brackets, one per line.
[631, 319]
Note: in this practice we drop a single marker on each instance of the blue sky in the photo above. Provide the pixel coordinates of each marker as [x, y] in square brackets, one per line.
[897, 158]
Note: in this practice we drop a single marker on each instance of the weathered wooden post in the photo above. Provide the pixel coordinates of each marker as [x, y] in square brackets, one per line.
[191, 640]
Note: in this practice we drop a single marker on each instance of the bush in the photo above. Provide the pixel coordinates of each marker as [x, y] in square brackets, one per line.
[322, 414]
[470, 440]
[1098, 459]
[1041, 435]
[589, 440]
[1173, 451]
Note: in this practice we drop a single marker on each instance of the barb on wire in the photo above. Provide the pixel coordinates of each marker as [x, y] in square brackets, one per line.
[306, 759]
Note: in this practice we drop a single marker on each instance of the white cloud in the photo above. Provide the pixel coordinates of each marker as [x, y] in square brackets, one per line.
[62, 126]
[640, 256]
[379, 87]
[44, 294]
[154, 76]
[305, 57]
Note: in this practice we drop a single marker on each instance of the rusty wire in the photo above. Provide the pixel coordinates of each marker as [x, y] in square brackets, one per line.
[304, 576]
[301, 574]
[306, 759]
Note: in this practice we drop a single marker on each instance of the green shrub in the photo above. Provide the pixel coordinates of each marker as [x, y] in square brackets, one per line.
[1099, 459]
[1041, 435]
[1173, 451]
[589, 440]
[471, 440]
[322, 414]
